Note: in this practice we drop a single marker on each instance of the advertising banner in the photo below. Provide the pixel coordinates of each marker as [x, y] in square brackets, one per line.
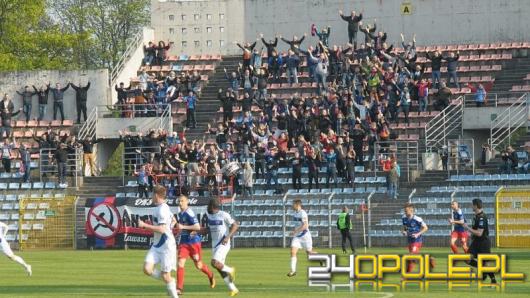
[113, 222]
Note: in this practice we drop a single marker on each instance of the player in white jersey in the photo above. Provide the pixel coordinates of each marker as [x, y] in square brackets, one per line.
[164, 249]
[6, 250]
[222, 227]
[301, 235]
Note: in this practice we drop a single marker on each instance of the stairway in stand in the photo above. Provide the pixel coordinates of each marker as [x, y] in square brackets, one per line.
[208, 104]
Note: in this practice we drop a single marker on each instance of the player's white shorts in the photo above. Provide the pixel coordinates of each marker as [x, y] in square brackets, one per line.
[4, 247]
[220, 252]
[305, 242]
[167, 258]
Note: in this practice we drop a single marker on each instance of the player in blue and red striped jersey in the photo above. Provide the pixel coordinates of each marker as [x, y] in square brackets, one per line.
[190, 244]
[414, 227]
[459, 232]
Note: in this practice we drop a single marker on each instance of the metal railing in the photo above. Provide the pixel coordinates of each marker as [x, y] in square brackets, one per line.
[88, 130]
[133, 45]
[166, 120]
[74, 164]
[407, 155]
[493, 99]
[128, 111]
[509, 121]
[443, 125]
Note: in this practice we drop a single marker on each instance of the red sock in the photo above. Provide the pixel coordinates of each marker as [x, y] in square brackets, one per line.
[466, 249]
[432, 262]
[206, 270]
[180, 278]
[410, 266]
[454, 248]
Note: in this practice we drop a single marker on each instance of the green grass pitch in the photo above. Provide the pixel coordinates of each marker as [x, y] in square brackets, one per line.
[261, 272]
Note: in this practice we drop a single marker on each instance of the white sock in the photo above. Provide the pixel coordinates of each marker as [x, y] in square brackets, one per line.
[293, 264]
[227, 269]
[156, 274]
[20, 261]
[172, 288]
[231, 286]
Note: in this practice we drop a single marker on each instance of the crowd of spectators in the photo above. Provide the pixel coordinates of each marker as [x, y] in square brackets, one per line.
[362, 88]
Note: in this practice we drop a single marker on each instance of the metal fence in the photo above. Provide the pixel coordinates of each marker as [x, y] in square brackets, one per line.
[509, 121]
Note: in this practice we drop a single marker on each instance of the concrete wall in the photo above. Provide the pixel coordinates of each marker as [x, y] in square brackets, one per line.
[109, 127]
[97, 94]
[438, 22]
[480, 118]
[133, 64]
[434, 22]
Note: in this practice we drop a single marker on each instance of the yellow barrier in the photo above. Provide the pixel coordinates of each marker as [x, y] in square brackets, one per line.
[47, 223]
[512, 223]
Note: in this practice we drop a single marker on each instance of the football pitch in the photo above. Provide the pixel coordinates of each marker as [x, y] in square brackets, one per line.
[261, 272]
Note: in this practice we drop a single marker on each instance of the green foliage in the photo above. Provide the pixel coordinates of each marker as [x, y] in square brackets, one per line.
[103, 27]
[115, 164]
[28, 40]
[67, 34]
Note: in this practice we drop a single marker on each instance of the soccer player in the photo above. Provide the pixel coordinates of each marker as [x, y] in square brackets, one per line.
[190, 244]
[164, 248]
[480, 242]
[414, 227]
[301, 235]
[459, 232]
[222, 227]
[6, 250]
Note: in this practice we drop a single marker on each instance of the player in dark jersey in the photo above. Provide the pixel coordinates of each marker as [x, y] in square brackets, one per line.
[459, 232]
[189, 244]
[414, 227]
[480, 242]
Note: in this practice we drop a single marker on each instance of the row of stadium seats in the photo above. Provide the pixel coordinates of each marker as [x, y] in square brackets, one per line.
[445, 200]
[487, 177]
[267, 234]
[431, 232]
[479, 188]
[29, 185]
[314, 202]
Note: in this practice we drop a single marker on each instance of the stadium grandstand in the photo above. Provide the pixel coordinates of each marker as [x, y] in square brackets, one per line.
[366, 109]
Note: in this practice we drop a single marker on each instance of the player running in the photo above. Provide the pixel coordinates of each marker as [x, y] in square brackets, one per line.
[189, 244]
[6, 250]
[222, 227]
[414, 227]
[164, 249]
[480, 242]
[459, 232]
[301, 235]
